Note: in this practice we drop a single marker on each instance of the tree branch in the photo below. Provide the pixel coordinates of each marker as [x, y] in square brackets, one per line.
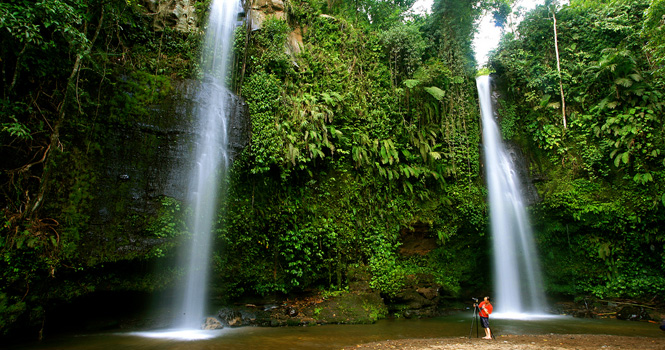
[55, 136]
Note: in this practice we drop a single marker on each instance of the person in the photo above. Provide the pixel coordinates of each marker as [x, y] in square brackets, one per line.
[484, 311]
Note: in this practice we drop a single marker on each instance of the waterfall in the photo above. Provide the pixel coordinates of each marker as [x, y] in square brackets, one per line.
[517, 280]
[211, 160]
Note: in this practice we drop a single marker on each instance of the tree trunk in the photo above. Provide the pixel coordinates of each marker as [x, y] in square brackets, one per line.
[244, 58]
[16, 70]
[558, 68]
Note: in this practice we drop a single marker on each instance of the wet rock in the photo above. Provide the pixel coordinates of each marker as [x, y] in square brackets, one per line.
[419, 298]
[176, 14]
[291, 312]
[260, 10]
[411, 304]
[212, 323]
[236, 317]
[521, 164]
[344, 307]
[359, 278]
[429, 293]
[294, 43]
[270, 307]
[633, 313]
[145, 161]
[521, 160]
[582, 313]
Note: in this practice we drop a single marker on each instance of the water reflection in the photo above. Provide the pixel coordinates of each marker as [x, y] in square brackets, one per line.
[522, 316]
[180, 334]
[339, 336]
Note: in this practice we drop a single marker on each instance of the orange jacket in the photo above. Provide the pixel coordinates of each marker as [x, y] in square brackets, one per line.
[487, 307]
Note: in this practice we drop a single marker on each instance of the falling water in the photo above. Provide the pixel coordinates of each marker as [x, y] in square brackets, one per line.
[211, 159]
[518, 283]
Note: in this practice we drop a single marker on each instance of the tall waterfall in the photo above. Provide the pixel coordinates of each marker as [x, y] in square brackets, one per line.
[211, 160]
[517, 280]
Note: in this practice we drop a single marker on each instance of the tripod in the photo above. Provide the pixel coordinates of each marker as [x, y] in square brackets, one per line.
[474, 320]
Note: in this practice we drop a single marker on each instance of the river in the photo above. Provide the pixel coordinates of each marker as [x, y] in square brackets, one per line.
[339, 336]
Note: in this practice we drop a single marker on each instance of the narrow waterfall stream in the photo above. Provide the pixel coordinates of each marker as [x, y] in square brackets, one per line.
[518, 284]
[211, 160]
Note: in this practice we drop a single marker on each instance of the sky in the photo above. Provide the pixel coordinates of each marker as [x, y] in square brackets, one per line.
[488, 35]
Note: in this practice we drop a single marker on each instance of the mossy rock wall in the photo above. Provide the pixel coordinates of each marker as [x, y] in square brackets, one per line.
[147, 160]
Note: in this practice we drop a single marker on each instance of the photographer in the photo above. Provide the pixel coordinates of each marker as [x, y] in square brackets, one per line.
[484, 311]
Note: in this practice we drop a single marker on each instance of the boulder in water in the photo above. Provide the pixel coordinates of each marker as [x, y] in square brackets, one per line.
[633, 313]
[211, 324]
[236, 317]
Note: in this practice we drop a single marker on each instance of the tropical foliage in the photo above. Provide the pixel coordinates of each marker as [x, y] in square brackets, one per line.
[366, 133]
[602, 188]
[364, 136]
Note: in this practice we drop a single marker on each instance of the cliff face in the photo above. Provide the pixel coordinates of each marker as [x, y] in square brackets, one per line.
[150, 159]
[176, 14]
[521, 160]
[261, 10]
[146, 161]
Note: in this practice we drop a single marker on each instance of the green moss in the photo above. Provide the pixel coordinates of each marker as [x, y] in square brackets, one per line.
[350, 308]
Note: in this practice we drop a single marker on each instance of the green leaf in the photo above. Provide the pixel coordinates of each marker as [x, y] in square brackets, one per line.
[625, 82]
[384, 156]
[613, 153]
[411, 83]
[625, 158]
[436, 92]
[423, 152]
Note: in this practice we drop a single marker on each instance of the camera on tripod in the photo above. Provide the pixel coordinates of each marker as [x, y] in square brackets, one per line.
[475, 300]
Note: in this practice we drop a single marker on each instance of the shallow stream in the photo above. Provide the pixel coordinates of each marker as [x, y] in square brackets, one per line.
[339, 336]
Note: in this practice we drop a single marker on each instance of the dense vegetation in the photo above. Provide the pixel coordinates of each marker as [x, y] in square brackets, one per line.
[371, 131]
[368, 135]
[72, 70]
